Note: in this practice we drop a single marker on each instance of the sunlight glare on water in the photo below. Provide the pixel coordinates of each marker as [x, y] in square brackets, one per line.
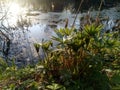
[15, 9]
[15, 12]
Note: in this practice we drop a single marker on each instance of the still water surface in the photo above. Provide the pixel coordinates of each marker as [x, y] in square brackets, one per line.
[40, 25]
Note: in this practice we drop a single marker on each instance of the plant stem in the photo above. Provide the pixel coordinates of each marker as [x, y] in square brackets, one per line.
[77, 13]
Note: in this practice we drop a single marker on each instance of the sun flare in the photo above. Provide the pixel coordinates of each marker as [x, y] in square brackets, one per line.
[15, 9]
[15, 12]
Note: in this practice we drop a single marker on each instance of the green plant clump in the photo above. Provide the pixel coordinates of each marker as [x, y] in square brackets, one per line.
[81, 60]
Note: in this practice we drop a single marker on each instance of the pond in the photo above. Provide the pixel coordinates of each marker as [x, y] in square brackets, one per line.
[32, 26]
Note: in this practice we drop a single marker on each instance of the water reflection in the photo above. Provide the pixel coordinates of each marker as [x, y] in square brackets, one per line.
[15, 12]
[15, 8]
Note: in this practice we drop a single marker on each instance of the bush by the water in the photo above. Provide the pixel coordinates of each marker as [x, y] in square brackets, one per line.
[81, 60]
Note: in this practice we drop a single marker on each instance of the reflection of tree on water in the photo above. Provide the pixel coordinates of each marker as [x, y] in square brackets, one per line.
[59, 5]
[47, 5]
[4, 40]
[9, 40]
[95, 3]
